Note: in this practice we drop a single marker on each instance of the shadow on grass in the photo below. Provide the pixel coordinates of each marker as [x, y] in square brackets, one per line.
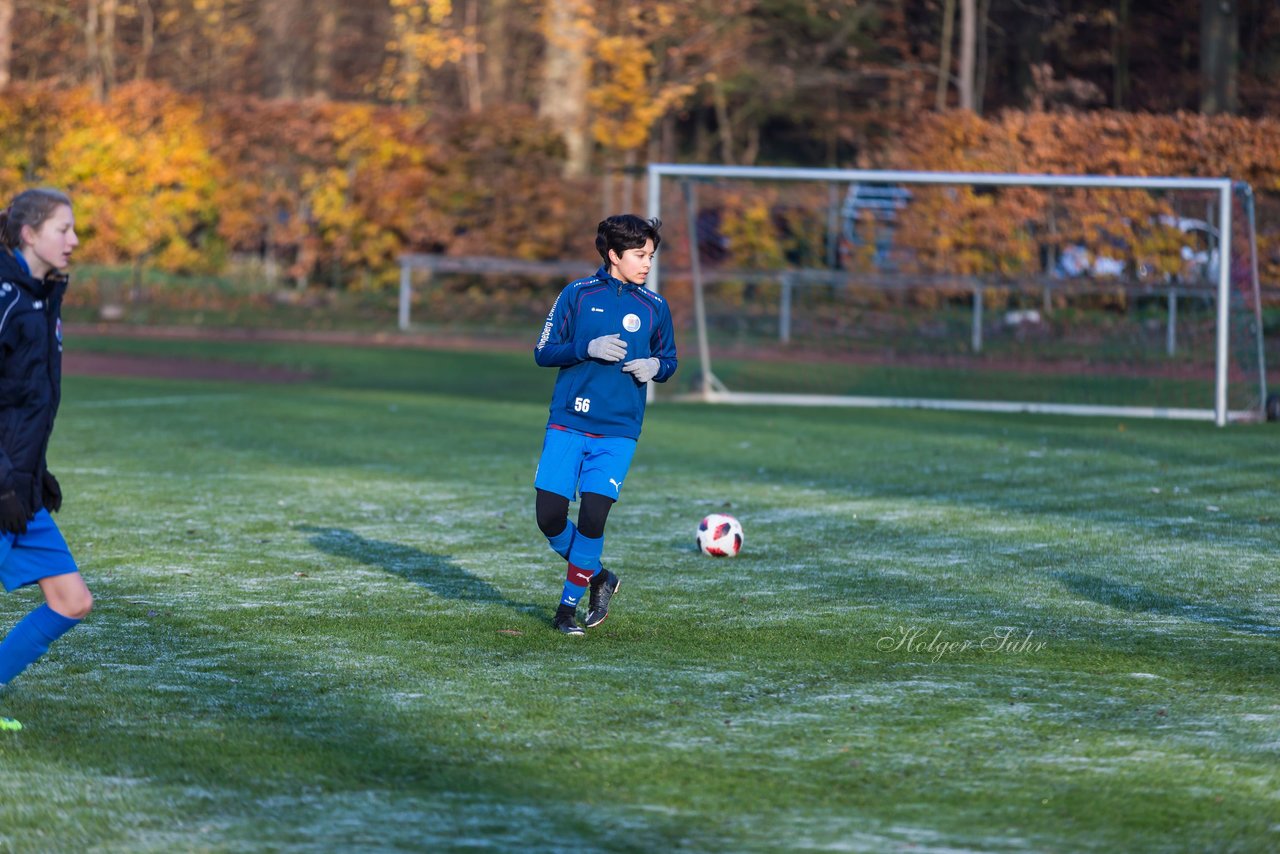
[1135, 598]
[436, 573]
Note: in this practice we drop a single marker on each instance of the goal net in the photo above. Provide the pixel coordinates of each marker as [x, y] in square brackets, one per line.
[1091, 295]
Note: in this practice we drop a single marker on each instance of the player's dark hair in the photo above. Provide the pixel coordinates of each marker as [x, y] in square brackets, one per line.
[30, 207]
[626, 231]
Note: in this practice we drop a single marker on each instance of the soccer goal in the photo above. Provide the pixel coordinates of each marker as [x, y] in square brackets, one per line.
[1134, 297]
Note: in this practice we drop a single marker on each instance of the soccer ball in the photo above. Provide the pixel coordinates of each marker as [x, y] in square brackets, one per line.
[720, 535]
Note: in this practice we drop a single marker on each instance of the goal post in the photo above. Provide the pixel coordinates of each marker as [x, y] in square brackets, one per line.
[979, 274]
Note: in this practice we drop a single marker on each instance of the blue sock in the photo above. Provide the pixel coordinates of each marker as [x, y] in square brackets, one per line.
[563, 541]
[584, 562]
[30, 639]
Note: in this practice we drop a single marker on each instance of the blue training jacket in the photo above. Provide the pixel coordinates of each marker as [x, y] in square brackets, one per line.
[597, 397]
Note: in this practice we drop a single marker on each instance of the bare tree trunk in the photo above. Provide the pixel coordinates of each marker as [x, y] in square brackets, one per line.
[284, 47]
[411, 73]
[723, 122]
[496, 49]
[968, 48]
[93, 49]
[211, 70]
[148, 45]
[751, 151]
[326, 35]
[1219, 56]
[667, 153]
[944, 55]
[6, 42]
[701, 141]
[108, 48]
[564, 87]
[472, 86]
[99, 38]
[980, 76]
[1120, 56]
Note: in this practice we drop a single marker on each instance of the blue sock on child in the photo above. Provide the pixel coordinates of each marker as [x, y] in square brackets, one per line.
[584, 562]
[30, 639]
[563, 541]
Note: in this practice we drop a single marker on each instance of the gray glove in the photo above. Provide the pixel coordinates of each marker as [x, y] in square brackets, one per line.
[642, 369]
[607, 348]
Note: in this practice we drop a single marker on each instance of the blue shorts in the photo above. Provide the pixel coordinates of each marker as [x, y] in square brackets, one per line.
[572, 463]
[39, 553]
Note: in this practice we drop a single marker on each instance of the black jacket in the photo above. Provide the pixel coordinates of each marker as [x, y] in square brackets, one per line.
[30, 375]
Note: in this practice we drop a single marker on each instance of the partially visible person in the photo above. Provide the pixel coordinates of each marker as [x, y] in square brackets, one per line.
[37, 238]
[610, 337]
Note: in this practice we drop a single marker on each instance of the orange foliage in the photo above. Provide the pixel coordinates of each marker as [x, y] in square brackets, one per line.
[29, 123]
[141, 174]
[422, 40]
[350, 187]
[995, 232]
[337, 191]
[630, 91]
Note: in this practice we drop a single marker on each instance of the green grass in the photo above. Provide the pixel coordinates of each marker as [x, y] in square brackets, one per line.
[323, 613]
[961, 383]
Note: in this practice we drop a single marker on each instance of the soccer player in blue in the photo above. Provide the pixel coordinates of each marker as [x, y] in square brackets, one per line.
[610, 337]
[38, 234]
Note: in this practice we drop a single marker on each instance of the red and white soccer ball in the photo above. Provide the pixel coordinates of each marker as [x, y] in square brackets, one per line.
[720, 535]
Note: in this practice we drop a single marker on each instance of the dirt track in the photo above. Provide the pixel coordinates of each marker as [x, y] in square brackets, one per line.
[76, 363]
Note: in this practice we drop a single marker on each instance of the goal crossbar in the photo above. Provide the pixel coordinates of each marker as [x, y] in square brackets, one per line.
[1223, 187]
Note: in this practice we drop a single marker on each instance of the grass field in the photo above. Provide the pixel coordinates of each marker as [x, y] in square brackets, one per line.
[323, 610]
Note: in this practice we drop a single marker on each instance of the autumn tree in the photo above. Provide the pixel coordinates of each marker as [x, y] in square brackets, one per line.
[424, 40]
[510, 51]
[649, 62]
[209, 46]
[31, 119]
[800, 81]
[335, 192]
[142, 176]
[788, 66]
